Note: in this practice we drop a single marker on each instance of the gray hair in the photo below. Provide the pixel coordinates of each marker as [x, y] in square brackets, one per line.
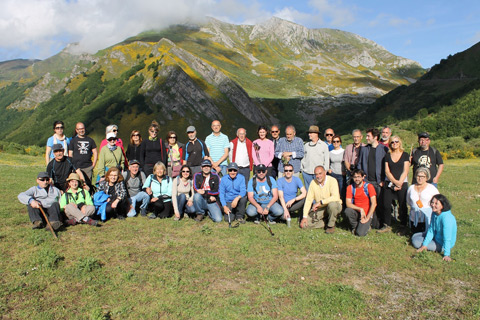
[291, 127]
[110, 128]
[356, 130]
[424, 170]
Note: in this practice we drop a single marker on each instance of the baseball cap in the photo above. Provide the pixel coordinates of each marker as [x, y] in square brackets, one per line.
[191, 129]
[423, 135]
[206, 163]
[261, 167]
[232, 165]
[42, 175]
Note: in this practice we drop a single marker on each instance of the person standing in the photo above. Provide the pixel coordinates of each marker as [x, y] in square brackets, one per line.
[241, 149]
[275, 133]
[175, 152]
[111, 156]
[385, 137]
[152, 150]
[263, 152]
[352, 151]
[289, 150]
[218, 146]
[428, 157]
[134, 147]
[195, 151]
[329, 133]
[337, 168]
[315, 154]
[81, 149]
[58, 138]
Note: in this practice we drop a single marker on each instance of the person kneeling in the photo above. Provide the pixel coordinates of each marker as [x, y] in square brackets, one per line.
[77, 203]
[43, 195]
[113, 186]
[134, 180]
[233, 194]
[361, 203]
[206, 185]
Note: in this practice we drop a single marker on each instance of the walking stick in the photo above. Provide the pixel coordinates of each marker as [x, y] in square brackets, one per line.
[268, 225]
[48, 222]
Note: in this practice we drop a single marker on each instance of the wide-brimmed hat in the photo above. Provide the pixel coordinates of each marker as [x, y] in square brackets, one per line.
[74, 176]
[314, 129]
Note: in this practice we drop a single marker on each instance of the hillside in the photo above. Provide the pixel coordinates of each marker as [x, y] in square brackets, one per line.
[244, 75]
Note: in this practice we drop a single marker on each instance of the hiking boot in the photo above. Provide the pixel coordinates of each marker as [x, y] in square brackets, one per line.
[272, 222]
[242, 221]
[384, 229]
[330, 230]
[256, 221]
[38, 224]
[91, 222]
[55, 225]
[199, 217]
[71, 222]
[152, 216]
[120, 217]
[143, 212]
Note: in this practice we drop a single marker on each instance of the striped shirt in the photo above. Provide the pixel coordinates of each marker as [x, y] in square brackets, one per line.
[216, 146]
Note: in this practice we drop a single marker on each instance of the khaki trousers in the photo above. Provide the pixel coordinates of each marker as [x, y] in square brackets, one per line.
[315, 219]
[73, 212]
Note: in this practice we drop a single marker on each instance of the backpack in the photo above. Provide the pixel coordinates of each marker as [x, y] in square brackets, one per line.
[53, 169]
[254, 184]
[125, 182]
[68, 195]
[365, 189]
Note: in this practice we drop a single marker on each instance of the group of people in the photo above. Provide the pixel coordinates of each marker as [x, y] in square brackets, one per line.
[226, 180]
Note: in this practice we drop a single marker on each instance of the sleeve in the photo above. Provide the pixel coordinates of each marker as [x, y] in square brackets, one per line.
[438, 157]
[214, 191]
[371, 190]
[429, 235]
[142, 154]
[299, 183]
[88, 198]
[270, 153]
[207, 142]
[230, 153]
[349, 194]
[334, 192]
[122, 160]
[243, 189]
[223, 202]
[50, 142]
[299, 151]
[448, 226]
[24, 197]
[120, 189]
[147, 182]
[63, 201]
[280, 184]
[274, 182]
[49, 168]
[250, 186]
[308, 201]
[100, 168]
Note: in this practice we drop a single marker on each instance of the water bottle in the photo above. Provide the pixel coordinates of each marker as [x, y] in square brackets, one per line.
[289, 220]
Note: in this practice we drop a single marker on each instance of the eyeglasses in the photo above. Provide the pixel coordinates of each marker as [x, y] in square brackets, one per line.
[80, 129]
[421, 176]
[232, 170]
[153, 131]
[58, 128]
[336, 141]
[329, 134]
[287, 170]
[172, 137]
[276, 131]
[43, 179]
[185, 171]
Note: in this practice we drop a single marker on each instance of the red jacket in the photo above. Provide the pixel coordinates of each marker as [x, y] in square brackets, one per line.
[249, 151]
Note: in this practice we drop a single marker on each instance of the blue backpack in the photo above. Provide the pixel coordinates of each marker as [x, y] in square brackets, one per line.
[365, 189]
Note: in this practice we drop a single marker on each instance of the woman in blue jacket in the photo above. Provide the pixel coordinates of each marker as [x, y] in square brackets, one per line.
[442, 232]
[159, 186]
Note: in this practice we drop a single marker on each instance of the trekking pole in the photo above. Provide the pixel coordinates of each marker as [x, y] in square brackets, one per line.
[48, 222]
[268, 225]
[229, 221]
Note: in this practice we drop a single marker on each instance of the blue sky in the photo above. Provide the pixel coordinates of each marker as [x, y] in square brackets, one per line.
[425, 31]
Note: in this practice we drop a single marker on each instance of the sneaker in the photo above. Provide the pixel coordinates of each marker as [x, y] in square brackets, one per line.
[199, 217]
[272, 222]
[71, 222]
[242, 221]
[384, 229]
[38, 224]
[256, 221]
[176, 218]
[91, 222]
[330, 230]
[55, 225]
[152, 216]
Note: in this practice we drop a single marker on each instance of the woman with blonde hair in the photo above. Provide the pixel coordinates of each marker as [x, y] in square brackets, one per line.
[159, 187]
[397, 165]
[117, 206]
[152, 150]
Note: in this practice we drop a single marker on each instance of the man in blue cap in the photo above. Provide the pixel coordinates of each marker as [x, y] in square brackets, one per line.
[206, 185]
[233, 194]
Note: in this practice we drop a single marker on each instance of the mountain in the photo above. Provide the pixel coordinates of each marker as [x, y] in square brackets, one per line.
[275, 72]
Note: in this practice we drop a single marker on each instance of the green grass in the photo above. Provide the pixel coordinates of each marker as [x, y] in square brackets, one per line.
[144, 269]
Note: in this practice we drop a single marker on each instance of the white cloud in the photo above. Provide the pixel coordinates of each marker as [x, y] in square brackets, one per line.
[333, 12]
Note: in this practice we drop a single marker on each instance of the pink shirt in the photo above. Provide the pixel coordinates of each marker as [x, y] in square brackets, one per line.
[266, 152]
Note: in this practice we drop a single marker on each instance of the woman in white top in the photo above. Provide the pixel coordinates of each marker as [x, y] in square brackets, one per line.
[337, 167]
[418, 198]
[182, 193]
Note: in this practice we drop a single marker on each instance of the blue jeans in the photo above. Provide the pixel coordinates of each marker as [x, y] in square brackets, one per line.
[307, 179]
[182, 205]
[276, 211]
[417, 240]
[141, 196]
[223, 171]
[201, 205]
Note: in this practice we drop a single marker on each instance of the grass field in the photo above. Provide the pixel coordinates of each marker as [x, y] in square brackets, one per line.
[161, 269]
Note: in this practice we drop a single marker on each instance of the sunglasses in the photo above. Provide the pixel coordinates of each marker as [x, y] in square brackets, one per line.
[185, 171]
[394, 142]
[115, 130]
[261, 171]
[232, 170]
[172, 137]
[43, 179]
[274, 131]
[287, 170]
[329, 134]
[112, 139]
[336, 141]
[58, 128]
[135, 135]
[153, 131]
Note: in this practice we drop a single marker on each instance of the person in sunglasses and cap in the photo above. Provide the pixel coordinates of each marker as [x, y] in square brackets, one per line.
[46, 196]
[233, 194]
[262, 193]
